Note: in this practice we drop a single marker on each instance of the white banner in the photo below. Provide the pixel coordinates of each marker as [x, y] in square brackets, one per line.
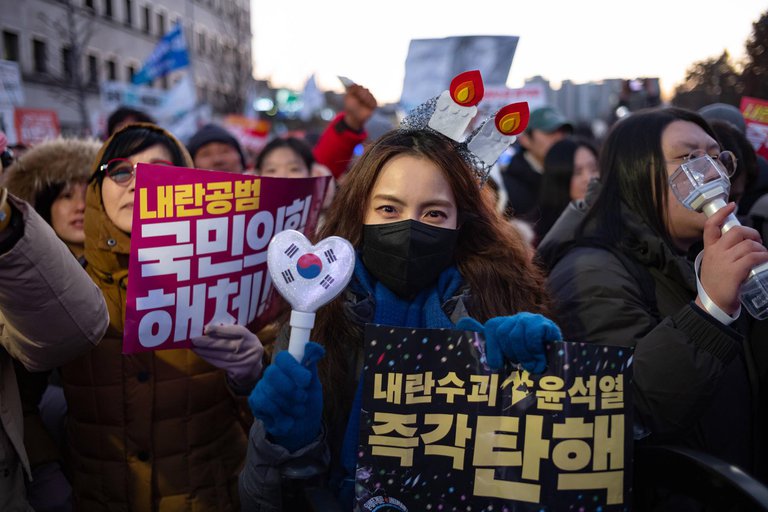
[432, 63]
[116, 94]
[11, 90]
[498, 96]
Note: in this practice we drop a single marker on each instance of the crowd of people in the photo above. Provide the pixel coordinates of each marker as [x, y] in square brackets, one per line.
[588, 244]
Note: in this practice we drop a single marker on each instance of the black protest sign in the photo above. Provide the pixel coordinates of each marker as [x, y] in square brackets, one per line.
[440, 431]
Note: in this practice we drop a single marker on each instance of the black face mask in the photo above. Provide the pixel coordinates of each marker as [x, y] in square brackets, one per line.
[407, 256]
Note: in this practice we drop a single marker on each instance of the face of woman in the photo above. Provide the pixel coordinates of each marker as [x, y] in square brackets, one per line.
[677, 141]
[68, 212]
[284, 163]
[118, 197]
[412, 188]
[584, 170]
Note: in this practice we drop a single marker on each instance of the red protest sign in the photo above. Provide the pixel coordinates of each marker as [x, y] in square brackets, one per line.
[35, 125]
[755, 112]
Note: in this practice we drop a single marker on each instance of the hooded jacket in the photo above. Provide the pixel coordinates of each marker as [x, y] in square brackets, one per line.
[692, 375]
[50, 312]
[47, 164]
[149, 431]
[60, 160]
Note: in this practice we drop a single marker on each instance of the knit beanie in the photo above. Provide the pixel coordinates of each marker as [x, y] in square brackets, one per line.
[214, 133]
[724, 112]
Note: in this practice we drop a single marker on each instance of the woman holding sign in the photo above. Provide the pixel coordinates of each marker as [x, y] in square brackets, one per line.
[431, 249]
[153, 430]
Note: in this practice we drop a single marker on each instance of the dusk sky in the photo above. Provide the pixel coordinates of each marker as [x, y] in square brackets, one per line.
[583, 41]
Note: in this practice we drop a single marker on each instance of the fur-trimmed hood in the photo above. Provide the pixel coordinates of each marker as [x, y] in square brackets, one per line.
[60, 160]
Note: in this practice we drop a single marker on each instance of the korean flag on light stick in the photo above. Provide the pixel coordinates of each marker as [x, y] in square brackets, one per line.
[308, 277]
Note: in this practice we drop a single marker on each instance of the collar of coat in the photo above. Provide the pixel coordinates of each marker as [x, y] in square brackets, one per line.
[640, 242]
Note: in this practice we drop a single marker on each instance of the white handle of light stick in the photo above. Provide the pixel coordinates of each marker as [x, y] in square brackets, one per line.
[301, 324]
[713, 206]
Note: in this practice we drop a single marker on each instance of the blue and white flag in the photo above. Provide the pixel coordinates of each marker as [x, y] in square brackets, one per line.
[169, 54]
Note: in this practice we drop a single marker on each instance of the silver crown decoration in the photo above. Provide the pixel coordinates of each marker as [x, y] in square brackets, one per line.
[450, 114]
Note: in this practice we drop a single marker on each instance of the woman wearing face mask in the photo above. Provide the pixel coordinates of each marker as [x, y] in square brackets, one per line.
[155, 430]
[431, 250]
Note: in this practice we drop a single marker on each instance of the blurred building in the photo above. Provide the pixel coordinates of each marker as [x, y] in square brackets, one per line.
[66, 48]
[601, 101]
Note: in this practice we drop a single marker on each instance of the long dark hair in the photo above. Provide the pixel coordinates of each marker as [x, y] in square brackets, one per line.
[45, 198]
[555, 191]
[633, 172]
[490, 255]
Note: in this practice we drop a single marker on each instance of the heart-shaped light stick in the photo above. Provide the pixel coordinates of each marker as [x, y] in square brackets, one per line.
[308, 277]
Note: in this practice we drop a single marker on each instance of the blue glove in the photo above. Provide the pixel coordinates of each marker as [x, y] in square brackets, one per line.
[289, 398]
[518, 338]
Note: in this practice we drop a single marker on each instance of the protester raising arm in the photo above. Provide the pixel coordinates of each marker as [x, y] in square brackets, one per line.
[39, 279]
[347, 130]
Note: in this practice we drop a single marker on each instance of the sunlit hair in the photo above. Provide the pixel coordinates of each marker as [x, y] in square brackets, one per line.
[633, 171]
[490, 254]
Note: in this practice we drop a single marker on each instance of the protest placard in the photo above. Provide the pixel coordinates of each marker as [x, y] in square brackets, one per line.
[440, 431]
[199, 250]
[755, 112]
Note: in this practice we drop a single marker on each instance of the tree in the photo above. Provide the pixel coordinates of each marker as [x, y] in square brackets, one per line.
[231, 60]
[755, 74]
[714, 80]
[77, 27]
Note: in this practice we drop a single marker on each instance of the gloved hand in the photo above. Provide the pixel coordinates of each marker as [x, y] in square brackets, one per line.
[49, 490]
[289, 398]
[234, 349]
[519, 338]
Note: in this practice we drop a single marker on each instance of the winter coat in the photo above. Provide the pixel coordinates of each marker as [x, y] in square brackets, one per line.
[336, 144]
[50, 312]
[693, 382]
[47, 164]
[267, 462]
[149, 431]
[522, 183]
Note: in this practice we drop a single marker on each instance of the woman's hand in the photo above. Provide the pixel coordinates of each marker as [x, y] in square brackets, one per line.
[289, 398]
[727, 260]
[234, 349]
[518, 338]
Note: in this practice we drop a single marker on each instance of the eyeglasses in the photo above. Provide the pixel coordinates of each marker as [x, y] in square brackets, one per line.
[726, 159]
[121, 170]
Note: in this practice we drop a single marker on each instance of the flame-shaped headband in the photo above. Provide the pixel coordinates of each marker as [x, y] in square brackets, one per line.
[450, 113]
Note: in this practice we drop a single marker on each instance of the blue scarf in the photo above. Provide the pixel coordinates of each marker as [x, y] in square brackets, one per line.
[423, 311]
